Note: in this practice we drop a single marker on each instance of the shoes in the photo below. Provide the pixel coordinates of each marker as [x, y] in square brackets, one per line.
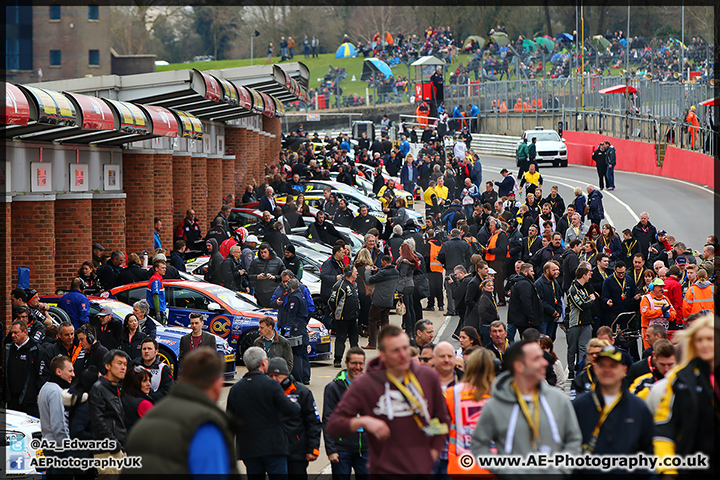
[306, 383]
[337, 364]
[429, 309]
[502, 304]
[368, 347]
[450, 314]
[571, 375]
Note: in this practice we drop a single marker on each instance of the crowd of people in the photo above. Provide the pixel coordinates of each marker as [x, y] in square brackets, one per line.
[552, 262]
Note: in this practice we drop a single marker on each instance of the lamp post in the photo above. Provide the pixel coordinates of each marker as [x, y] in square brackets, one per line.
[252, 41]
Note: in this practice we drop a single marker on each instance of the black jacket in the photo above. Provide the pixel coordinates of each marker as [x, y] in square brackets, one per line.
[486, 308]
[347, 292]
[277, 241]
[131, 274]
[530, 248]
[454, 252]
[22, 368]
[524, 309]
[551, 298]
[109, 335]
[302, 431]
[264, 287]
[106, 412]
[133, 346]
[95, 356]
[259, 403]
[356, 442]
[231, 278]
[161, 376]
[385, 280]
[459, 294]
[570, 263]
[214, 273]
[177, 260]
[343, 218]
[328, 276]
[325, 233]
[362, 225]
[472, 297]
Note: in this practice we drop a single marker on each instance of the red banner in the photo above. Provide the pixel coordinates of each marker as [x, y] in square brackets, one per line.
[96, 114]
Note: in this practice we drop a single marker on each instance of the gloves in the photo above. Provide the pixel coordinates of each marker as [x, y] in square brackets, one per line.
[666, 311]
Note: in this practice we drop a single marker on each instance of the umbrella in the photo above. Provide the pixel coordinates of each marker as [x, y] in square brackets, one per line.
[501, 38]
[600, 42]
[564, 36]
[529, 45]
[618, 89]
[346, 50]
[545, 42]
[479, 41]
[375, 65]
[710, 103]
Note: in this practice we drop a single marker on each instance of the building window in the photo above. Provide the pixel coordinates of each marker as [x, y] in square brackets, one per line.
[54, 12]
[55, 57]
[93, 12]
[94, 57]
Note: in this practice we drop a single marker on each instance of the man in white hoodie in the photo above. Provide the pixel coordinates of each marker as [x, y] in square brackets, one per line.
[53, 421]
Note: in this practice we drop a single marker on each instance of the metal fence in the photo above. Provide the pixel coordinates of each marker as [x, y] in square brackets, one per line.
[663, 100]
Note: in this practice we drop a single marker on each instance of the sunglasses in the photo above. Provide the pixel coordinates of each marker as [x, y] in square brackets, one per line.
[425, 359]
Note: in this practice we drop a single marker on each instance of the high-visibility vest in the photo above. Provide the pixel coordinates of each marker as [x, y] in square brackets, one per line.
[464, 414]
[503, 106]
[489, 257]
[697, 299]
[427, 196]
[650, 304]
[435, 265]
[442, 192]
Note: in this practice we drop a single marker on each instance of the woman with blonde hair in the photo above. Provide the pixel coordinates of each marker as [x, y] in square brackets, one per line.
[363, 262]
[579, 203]
[465, 401]
[686, 417]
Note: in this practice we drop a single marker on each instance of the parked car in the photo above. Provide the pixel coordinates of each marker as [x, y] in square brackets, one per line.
[22, 444]
[231, 315]
[168, 337]
[550, 146]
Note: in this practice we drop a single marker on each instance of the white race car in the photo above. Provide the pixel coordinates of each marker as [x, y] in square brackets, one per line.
[22, 444]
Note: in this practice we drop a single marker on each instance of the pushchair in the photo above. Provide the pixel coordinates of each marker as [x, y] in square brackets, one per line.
[627, 332]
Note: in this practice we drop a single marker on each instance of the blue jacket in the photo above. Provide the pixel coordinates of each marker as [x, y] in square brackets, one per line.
[77, 306]
[596, 206]
[280, 291]
[408, 175]
[474, 110]
[295, 311]
[476, 174]
[506, 186]
[344, 145]
[456, 112]
[405, 147]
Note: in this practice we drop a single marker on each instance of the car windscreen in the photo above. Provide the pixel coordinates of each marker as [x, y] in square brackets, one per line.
[544, 136]
[230, 298]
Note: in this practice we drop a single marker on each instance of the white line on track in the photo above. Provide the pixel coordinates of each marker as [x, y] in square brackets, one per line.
[442, 328]
[605, 192]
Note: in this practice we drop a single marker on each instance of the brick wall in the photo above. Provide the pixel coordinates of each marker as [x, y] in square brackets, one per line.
[199, 190]
[235, 144]
[164, 192]
[138, 174]
[228, 176]
[108, 223]
[182, 187]
[34, 222]
[274, 126]
[214, 186]
[73, 238]
[6, 263]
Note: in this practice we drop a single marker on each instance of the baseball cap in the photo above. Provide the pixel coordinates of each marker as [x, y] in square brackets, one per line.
[98, 246]
[106, 310]
[681, 260]
[657, 282]
[491, 271]
[662, 232]
[252, 239]
[511, 194]
[612, 352]
[278, 365]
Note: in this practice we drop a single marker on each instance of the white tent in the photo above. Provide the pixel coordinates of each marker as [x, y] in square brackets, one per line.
[427, 60]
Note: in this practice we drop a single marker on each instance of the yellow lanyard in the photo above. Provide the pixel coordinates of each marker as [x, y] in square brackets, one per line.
[637, 277]
[533, 423]
[416, 405]
[604, 413]
[530, 242]
[552, 283]
[630, 246]
[622, 287]
[605, 241]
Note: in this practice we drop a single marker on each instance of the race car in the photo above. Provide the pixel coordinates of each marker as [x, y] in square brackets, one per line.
[168, 337]
[231, 315]
[337, 187]
[550, 146]
[22, 444]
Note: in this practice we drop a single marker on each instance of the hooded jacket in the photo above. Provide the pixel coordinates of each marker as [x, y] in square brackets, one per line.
[264, 287]
[407, 450]
[302, 431]
[385, 281]
[354, 442]
[503, 423]
[214, 272]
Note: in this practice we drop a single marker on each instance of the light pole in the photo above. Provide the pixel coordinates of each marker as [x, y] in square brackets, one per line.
[627, 76]
[252, 41]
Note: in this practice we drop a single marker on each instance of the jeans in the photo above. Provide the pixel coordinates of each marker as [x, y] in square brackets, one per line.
[345, 329]
[485, 334]
[379, 317]
[301, 358]
[468, 209]
[440, 470]
[284, 52]
[542, 328]
[577, 338]
[351, 461]
[365, 303]
[274, 465]
[610, 176]
[292, 52]
[511, 329]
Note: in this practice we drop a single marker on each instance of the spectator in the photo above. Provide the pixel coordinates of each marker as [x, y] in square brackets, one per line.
[344, 303]
[274, 344]
[22, 368]
[53, 422]
[214, 270]
[132, 336]
[189, 230]
[109, 273]
[264, 273]
[141, 309]
[94, 351]
[581, 302]
[162, 377]
[384, 283]
[258, 401]
[109, 329]
[196, 338]
[206, 448]
[525, 308]
[135, 397]
[233, 271]
[177, 256]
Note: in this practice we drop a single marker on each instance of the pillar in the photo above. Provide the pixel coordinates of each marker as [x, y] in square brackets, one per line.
[198, 167]
[228, 177]
[138, 182]
[274, 127]
[235, 143]
[182, 186]
[6, 260]
[33, 228]
[73, 238]
[214, 184]
[164, 193]
[108, 220]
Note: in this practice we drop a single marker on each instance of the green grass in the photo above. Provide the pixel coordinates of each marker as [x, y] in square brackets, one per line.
[318, 67]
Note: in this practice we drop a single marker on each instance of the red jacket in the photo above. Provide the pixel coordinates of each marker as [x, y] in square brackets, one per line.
[673, 291]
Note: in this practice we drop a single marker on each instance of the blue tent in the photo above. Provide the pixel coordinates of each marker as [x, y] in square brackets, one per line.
[346, 50]
[564, 36]
[374, 65]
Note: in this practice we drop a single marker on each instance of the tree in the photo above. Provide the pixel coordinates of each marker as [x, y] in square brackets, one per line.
[132, 26]
[218, 27]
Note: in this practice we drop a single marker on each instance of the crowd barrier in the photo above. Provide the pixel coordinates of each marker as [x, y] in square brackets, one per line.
[641, 157]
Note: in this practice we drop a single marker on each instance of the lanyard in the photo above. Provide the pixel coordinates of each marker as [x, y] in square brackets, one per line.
[604, 413]
[534, 423]
[552, 283]
[630, 246]
[637, 277]
[530, 242]
[622, 286]
[413, 393]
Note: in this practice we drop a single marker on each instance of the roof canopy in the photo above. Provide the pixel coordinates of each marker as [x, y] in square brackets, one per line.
[618, 89]
[428, 60]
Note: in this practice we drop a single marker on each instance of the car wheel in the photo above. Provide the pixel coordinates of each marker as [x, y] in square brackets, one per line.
[58, 315]
[246, 341]
[320, 308]
[564, 163]
[556, 164]
[168, 358]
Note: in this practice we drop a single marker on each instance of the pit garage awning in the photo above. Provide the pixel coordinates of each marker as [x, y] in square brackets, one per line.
[17, 107]
[47, 110]
[268, 105]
